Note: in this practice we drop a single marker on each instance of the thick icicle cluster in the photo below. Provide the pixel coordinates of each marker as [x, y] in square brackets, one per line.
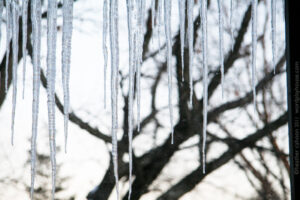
[160, 16]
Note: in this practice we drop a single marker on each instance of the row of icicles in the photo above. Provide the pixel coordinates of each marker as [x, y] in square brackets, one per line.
[161, 16]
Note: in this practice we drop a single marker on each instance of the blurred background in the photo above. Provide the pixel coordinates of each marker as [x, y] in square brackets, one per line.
[247, 142]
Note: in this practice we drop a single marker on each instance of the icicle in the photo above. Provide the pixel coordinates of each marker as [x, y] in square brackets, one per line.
[36, 31]
[152, 14]
[220, 8]
[205, 76]
[253, 52]
[181, 7]
[231, 28]
[51, 70]
[141, 17]
[113, 25]
[15, 46]
[191, 45]
[8, 37]
[1, 12]
[273, 27]
[24, 39]
[167, 18]
[159, 22]
[66, 57]
[104, 46]
[131, 86]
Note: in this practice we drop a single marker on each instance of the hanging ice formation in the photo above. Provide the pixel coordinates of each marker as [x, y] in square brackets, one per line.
[254, 42]
[8, 37]
[167, 18]
[51, 70]
[231, 28]
[15, 47]
[203, 11]
[273, 27]
[24, 38]
[190, 6]
[139, 59]
[1, 12]
[66, 57]
[36, 31]
[181, 6]
[131, 32]
[136, 13]
[114, 45]
[104, 46]
[221, 56]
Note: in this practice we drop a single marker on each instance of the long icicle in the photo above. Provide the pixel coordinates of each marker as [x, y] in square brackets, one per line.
[141, 14]
[15, 45]
[114, 84]
[8, 37]
[36, 61]
[254, 44]
[131, 87]
[273, 27]
[191, 46]
[167, 18]
[104, 46]
[221, 45]
[66, 58]
[181, 7]
[205, 77]
[24, 39]
[51, 70]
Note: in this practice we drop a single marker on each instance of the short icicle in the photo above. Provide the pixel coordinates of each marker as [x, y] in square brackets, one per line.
[205, 77]
[36, 62]
[66, 58]
[15, 47]
[221, 45]
[24, 40]
[273, 27]
[1, 12]
[113, 29]
[51, 70]
[231, 25]
[191, 46]
[167, 18]
[254, 44]
[8, 37]
[181, 8]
